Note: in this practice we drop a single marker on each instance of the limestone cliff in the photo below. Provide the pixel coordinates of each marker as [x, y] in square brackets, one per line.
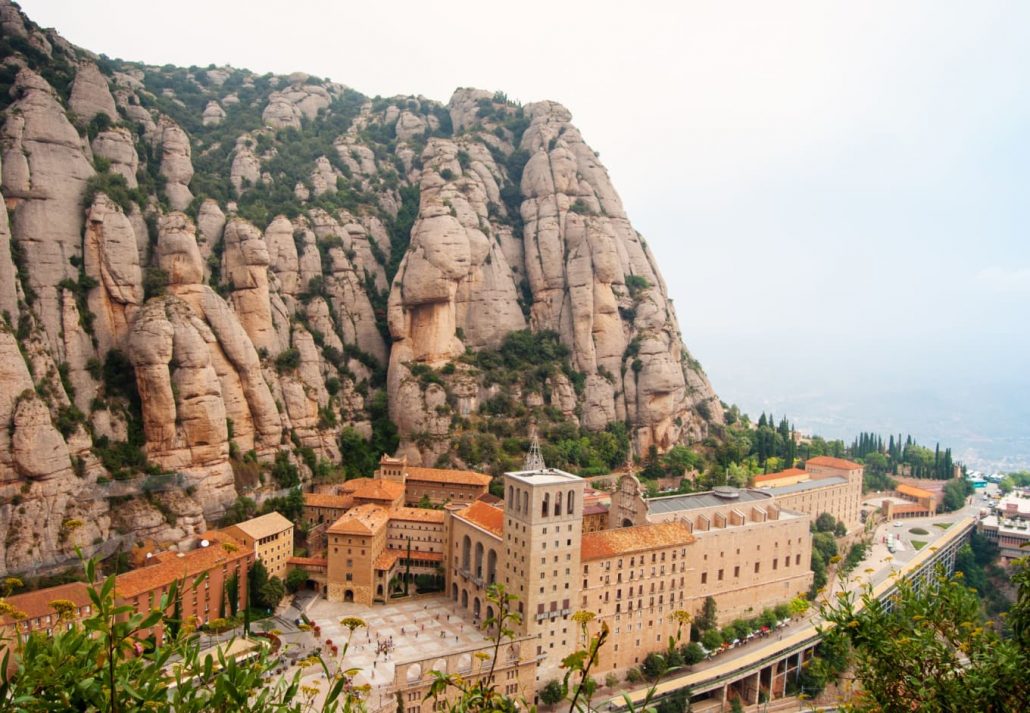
[215, 283]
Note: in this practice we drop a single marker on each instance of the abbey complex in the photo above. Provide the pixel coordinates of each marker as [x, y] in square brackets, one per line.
[749, 549]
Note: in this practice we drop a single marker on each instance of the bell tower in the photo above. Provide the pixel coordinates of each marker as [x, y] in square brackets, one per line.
[543, 528]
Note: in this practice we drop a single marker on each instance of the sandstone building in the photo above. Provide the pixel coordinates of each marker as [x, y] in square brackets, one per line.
[554, 544]
[270, 537]
[831, 485]
[218, 556]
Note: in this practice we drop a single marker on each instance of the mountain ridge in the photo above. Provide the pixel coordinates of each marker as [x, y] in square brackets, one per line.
[281, 262]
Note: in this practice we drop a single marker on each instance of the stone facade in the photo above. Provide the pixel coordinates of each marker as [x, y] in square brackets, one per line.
[271, 538]
[831, 485]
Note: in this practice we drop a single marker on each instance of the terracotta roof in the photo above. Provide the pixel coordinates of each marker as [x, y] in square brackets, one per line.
[485, 516]
[417, 514]
[37, 604]
[908, 507]
[490, 499]
[326, 500]
[442, 475]
[257, 527]
[363, 520]
[370, 489]
[627, 540]
[308, 561]
[788, 473]
[830, 462]
[387, 558]
[171, 567]
[914, 491]
[595, 509]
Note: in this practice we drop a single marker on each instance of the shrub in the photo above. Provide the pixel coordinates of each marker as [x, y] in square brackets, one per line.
[155, 281]
[288, 360]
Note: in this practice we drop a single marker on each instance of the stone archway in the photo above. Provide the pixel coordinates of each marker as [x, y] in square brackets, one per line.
[414, 673]
[464, 599]
[454, 591]
[348, 596]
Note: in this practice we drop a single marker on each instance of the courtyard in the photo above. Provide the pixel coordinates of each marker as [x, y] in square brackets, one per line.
[421, 627]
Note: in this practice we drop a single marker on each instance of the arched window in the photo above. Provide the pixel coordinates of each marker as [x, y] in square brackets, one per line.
[571, 503]
[525, 502]
[557, 504]
[466, 552]
[545, 508]
[511, 494]
[491, 566]
[479, 559]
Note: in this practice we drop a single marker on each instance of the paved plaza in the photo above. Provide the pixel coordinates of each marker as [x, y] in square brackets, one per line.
[418, 628]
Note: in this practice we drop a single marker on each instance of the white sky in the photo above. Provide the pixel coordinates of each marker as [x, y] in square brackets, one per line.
[836, 192]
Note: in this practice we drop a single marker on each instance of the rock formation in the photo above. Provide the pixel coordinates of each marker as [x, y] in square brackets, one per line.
[203, 268]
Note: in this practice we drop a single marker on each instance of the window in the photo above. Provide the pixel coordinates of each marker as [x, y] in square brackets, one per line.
[757, 566]
[720, 575]
[704, 578]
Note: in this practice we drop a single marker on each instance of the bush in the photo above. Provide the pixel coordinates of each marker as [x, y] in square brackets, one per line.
[711, 639]
[693, 653]
[295, 579]
[552, 693]
[288, 360]
[654, 666]
[155, 281]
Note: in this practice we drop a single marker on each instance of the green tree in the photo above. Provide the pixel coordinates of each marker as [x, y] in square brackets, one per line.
[956, 491]
[711, 639]
[654, 666]
[931, 649]
[295, 580]
[708, 616]
[272, 592]
[257, 578]
[825, 522]
[552, 693]
[692, 653]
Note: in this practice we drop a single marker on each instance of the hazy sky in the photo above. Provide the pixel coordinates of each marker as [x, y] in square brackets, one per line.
[837, 193]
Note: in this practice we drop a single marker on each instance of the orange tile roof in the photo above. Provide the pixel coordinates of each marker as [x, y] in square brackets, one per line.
[830, 462]
[914, 491]
[308, 561]
[370, 489]
[789, 472]
[363, 520]
[37, 604]
[257, 527]
[417, 514]
[171, 567]
[444, 475]
[326, 500]
[908, 507]
[627, 540]
[387, 559]
[595, 509]
[485, 516]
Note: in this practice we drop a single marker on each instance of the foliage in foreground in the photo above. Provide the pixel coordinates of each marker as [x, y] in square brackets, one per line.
[110, 663]
[930, 650]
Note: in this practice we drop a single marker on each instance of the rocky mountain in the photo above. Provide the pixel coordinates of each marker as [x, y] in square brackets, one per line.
[215, 283]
